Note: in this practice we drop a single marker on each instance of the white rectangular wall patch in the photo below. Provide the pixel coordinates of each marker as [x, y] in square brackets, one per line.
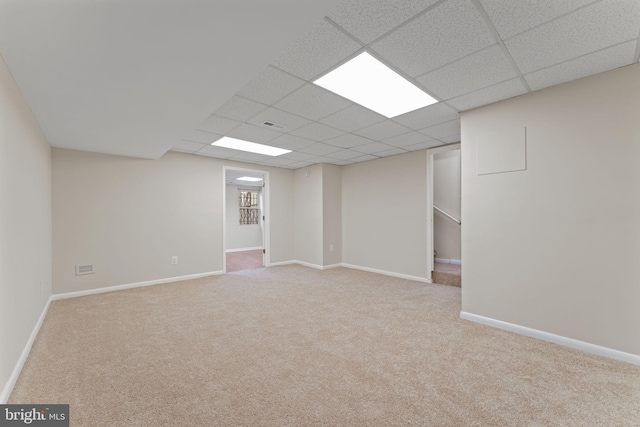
[504, 151]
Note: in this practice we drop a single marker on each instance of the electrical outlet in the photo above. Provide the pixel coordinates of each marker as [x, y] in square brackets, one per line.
[331, 248]
[174, 260]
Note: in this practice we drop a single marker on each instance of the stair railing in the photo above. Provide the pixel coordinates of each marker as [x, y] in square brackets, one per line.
[451, 217]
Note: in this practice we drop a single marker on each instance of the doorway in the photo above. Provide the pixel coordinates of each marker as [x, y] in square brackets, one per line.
[245, 219]
[444, 215]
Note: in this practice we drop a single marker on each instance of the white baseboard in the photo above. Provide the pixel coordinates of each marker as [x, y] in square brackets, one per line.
[66, 295]
[276, 264]
[556, 339]
[244, 249]
[308, 264]
[8, 387]
[388, 273]
[449, 261]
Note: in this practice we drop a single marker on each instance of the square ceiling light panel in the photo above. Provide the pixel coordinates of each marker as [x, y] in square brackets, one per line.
[370, 83]
[252, 147]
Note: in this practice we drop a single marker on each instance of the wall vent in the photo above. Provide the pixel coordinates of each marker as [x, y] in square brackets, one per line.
[273, 125]
[84, 269]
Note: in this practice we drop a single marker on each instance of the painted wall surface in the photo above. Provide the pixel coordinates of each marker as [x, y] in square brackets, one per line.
[129, 216]
[240, 236]
[446, 196]
[307, 224]
[25, 224]
[384, 223]
[332, 214]
[556, 247]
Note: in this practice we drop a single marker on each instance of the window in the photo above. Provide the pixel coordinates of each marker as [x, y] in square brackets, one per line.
[249, 207]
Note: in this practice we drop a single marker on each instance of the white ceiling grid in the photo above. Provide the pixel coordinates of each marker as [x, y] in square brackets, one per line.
[465, 53]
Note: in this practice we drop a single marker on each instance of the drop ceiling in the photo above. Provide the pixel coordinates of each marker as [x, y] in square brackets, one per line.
[137, 79]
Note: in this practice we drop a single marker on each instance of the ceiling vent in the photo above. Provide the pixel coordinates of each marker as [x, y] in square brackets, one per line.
[273, 125]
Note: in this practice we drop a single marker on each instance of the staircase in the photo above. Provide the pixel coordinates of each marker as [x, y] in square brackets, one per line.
[447, 274]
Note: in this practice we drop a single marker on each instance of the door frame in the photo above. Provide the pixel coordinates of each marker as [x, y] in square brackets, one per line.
[430, 236]
[266, 224]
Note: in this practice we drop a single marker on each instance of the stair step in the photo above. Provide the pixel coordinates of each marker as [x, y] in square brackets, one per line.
[444, 278]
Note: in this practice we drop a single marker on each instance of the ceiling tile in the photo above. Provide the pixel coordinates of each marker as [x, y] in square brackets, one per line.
[270, 86]
[447, 32]
[383, 130]
[253, 133]
[312, 102]
[606, 59]
[188, 146]
[422, 146]
[240, 109]
[391, 152]
[476, 71]
[443, 129]
[372, 148]
[353, 118]
[364, 158]
[317, 132]
[289, 121]
[451, 139]
[489, 95]
[297, 165]
[343, 162]
[298, 156]
[221, 152]
[367, 20]
[348, 140]
[291, 142]
[403, 140]
[242, 156]
[584, 31]
[218, 124]
[320, 49]
[277, 161]
[202, 137]
[512, 17]
[320, 149]
[321, 159]
[344, 154]
[427, 116]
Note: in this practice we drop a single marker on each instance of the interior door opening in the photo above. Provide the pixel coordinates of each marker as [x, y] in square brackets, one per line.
[245, 242]
[445, 215]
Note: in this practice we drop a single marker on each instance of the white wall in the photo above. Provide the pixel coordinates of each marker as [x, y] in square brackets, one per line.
[384, 221]
[129, 216]
[25, 226]
[446, 195]
[240, 236]
[308, 216]
[556, 247]
[332, 214]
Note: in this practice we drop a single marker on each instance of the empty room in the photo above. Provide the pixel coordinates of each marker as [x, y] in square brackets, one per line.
[346, 212]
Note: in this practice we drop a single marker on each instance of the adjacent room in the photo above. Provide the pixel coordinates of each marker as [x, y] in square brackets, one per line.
[321, 213]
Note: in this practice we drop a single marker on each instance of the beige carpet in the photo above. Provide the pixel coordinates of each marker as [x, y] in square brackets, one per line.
[296, 346]
[244, 260]
[447, 274]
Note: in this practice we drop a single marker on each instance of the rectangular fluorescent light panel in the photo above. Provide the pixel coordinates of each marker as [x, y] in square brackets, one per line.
[252, 147]
[249, 179]
[370, 83]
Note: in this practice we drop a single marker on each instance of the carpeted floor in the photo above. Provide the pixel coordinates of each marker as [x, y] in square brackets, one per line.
[295, 346]
[244, 260]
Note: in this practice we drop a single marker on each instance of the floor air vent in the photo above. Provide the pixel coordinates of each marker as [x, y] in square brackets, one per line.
[84, 269]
